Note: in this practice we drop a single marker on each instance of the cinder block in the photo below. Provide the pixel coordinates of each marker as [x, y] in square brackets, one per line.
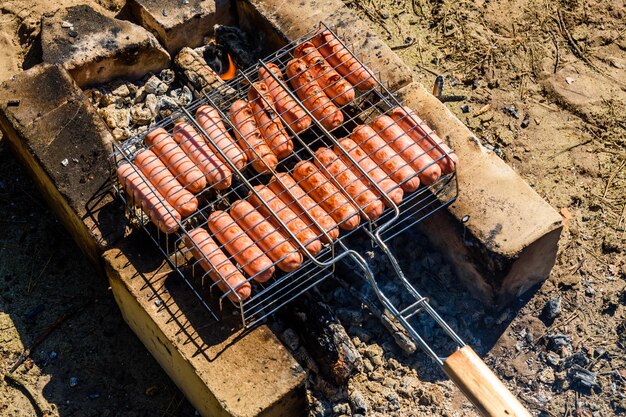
[178, 24]
[222, 370]
[509, 240]
[278, 22]
[95, 48]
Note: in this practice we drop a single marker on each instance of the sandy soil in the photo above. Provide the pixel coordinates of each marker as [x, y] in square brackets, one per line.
[545, 84]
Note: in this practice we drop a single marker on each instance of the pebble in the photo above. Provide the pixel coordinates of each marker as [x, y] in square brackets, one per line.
[73, 381]
[65, 162]
[65, 24]
[465, 108]
[511, 111]
[525, 122]
[552, 309]
[72, 33]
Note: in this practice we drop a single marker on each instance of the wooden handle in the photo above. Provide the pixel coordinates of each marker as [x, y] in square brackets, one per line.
[481, 386]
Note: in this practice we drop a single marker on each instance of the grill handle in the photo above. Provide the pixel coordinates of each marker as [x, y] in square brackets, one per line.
[481, 386]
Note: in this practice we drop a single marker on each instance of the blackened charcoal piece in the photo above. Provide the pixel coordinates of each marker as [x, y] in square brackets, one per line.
[236, 42]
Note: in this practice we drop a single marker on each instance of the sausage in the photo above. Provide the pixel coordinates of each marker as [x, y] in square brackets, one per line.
[426, 138]
[266, 236]
[326, 194]
[214, 261]
[213, 125]
[267, 120]
[371, 206]
[389, 186]
[343, 61]
[296, 225]
[405, 146]
[243, 250]
[312, 96]
[305, 207]
[192, 143]
[334, 85]
[179, 164]
[289, 108]
[386, 157]
[249, 138]
[156, 172]
[161, 213]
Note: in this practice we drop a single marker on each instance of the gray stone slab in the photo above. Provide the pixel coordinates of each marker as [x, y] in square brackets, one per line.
[98, 48]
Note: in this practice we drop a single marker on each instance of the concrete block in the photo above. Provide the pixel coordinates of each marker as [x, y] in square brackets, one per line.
[277, 22]
[96, 48]
[60, 137]
[509, 241]
[179, 24]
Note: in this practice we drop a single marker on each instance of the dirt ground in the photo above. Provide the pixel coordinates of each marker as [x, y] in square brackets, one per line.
[545, 88]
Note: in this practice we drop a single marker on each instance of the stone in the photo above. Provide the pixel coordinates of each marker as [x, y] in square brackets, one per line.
[499, 234]
[104, 48]
[281, 22]
[178, 24]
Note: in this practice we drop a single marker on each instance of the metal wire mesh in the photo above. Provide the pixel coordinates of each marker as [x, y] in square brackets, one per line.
[216, 192]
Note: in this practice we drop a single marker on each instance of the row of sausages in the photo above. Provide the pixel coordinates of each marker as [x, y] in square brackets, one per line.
[317, 199]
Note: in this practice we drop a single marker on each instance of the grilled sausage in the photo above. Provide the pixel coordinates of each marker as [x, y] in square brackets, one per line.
[305, 207]
[296, 225]
[405, 146]
[266, 236]
[312, 96]
[215, 262]
[243, 250]
[156, 172]
[270, 125]
[386, 157]
[213, 125]
[192, 143]
[389, 186]
[371, 206]
[326, 194]
[161, 213]
[249, 138]
[334, 85]
[426, 138]
[343, 61]
[289, 108]
[179, 164]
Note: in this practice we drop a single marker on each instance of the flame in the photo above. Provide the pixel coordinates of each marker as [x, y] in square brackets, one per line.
[232, 70]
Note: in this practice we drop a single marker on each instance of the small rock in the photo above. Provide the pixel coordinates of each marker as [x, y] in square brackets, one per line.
[65, 162]
[358, 404]
[367, 365]
[65, 24]
[525, 122]
[511, 111]
[72, 33]
[590, 291]
[155, 86]
[375, 354]
[552, 309]
[290, 338]
[158, 303]
[120, 134]
[73, 381]
[465, 108]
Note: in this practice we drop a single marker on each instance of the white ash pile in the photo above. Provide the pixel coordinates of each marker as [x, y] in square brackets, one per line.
[130, 108]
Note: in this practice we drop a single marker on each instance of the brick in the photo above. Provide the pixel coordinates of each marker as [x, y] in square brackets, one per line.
[99, 48]
[178, 25]
[510, 241]
[278, 22]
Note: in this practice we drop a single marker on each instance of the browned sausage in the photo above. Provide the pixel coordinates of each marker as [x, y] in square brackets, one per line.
[343, 61]
[326, 194]
[266, 236]
[334, 85]
[179, 164]
[213, 125]
[217, 174]
[305, 207]
[426, 138]
[249, 138]
[405, 146]
[386, 157]
[215, 262]
[152, 168]
[297, 226]
[270, 125]
[389, 186]
[371, 206]
[312, 96]
[289, 108]
[243, 250]
[161, 213]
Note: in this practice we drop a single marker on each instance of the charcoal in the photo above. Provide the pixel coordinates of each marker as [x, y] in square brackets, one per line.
[581, 377]
[552, 309]
[578, 358]
[235, 41]
[557, 340]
